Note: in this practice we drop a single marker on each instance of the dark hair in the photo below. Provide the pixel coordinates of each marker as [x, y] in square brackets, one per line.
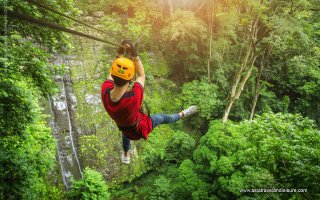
[119, 81]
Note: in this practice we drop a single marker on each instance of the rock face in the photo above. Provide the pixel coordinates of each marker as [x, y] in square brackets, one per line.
[63, 127]
[93, 99]
[98, 14]
[60, 105]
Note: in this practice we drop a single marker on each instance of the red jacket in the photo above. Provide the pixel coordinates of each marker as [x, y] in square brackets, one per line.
[126, 112]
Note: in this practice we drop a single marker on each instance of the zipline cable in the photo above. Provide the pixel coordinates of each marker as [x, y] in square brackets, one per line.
[73, 19]
[201, 5]
[64, 15]
[27, 18]
[137, 40]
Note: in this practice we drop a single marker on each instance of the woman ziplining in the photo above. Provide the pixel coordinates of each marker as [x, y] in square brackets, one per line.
[124, 106]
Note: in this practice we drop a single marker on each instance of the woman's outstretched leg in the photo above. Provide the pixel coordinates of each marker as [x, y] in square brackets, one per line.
[166, 119]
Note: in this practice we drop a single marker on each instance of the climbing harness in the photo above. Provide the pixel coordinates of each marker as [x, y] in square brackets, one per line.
[130, 128]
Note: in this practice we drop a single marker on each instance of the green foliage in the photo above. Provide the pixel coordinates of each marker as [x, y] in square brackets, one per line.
[137, 26]
[26, 143]
[159, 90]
[93, 5]
[273, 151]
[183, 38]
[154, 150]
[91, 186]
[25, 161]
[51, 39]
[189, 184]
[180, 147]
[21, 58]
[154, 65]
[15, 108]
[163, 189]
[205, 96]
[112, 23]
[293, 70]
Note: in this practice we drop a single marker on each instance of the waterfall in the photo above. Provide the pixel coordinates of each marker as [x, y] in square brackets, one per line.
[70, 128]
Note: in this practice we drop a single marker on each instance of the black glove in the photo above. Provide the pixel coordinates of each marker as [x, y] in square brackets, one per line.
[121, 48]
[131, 49]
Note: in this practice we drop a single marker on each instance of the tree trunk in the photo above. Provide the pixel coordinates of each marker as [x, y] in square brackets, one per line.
[210, 42]
[236, 88]
[256, 92]
[167, 8]
[245, 78]
[171, 7]
[210, 55]
[227, 110]
[257, 87]
[239, 71]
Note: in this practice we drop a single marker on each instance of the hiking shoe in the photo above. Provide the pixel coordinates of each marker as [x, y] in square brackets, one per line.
[125, 159]
[190, 111]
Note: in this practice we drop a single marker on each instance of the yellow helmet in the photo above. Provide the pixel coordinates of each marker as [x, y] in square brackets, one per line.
[123, 68]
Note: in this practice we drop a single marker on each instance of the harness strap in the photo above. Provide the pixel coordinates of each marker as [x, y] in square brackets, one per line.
[130, 128]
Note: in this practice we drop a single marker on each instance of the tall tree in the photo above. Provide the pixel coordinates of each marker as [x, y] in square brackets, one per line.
[243, 72]
[263, 20]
